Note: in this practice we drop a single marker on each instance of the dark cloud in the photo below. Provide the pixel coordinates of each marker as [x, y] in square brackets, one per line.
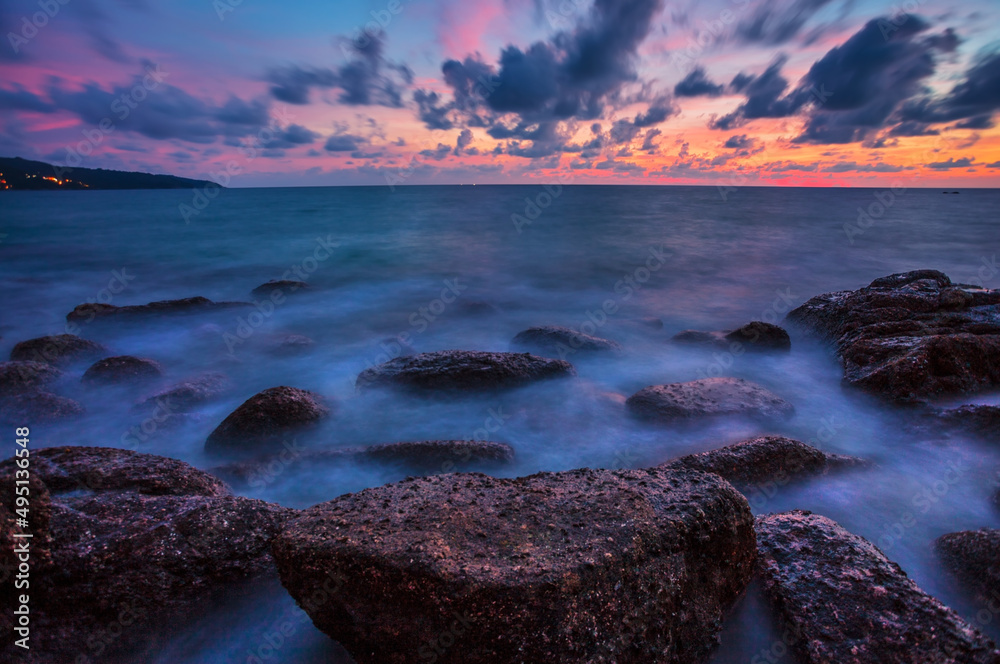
[649, 141]
[777, 22]
[976, 122]
[697, 84]
[912, 128]
[854, 167]
[20, 99]
[739, 142]
[964, 162]
[463, 141]
[975, 99]
[343, 143]
[430, 111]
[291, 136]
[437, 154]
[367, 79]
[659, 110]
[765, 97]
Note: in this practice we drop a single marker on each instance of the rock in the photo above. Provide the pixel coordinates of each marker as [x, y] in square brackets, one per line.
[265, 419]
[911, 337]
[292, 344]
[582, 566]
[132, 535]
[553, 340]
[843, 601]
[974, 557]
[57, 350]
[760, 336]
[38, 407]
[755, 336]
[978, 419]
[189, 395]
[283, 286]
[708, 397]
[764, 459]
[122, 370]
[21, 377]
[94, 311]
[424, 457]
[463, 370]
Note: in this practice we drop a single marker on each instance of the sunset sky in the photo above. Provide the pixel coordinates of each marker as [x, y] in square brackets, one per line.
[791, 92]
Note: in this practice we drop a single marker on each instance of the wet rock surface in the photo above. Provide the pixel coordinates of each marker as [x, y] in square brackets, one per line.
[95, 311]
[579, 566]
[123, 370]
[264, 420]
[843, 601]
[911, 336]
[974, 557]
[706, 398]
[765, 459]
[463, 370]
[38, 407]
[26, 376]
[57, 350]
[130, 540]
[561, 342]
[756, 336]
[424, 457]
[978, 419]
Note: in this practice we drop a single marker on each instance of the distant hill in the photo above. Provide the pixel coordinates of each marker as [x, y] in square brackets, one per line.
[20, 174]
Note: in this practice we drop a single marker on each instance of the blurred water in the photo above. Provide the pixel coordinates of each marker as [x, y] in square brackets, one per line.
[685, 255]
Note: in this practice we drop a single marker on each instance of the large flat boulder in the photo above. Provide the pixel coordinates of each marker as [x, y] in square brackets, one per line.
[463, 370]
[58, 350]
[911, 336]
[118, 532]
[265, 420]
[23, 376]
[845, 602]
[561, 342]
[581, 566]
[765, 459]
[708, 398]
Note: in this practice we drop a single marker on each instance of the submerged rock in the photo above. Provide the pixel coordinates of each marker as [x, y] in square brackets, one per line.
[26, 376]
[38, 407]
[708, 397]
[843, 601]
[463, 370]
[123, 370]
[291, 344]
[264, 420]
[95, 311]
[57, 350]
[582, 566]
[128, 534]
[974, 557]
[558, 341]
[424, 457]
[755, 336]
[911, 336]
[979, 419]
[189, 395]
[284, 286]
[765, 459]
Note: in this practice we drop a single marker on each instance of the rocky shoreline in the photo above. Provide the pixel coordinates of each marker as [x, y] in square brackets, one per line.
[585, 565]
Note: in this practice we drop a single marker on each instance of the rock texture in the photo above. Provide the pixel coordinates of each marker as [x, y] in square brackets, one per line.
[583, 566]
[911, 336]
[38, 408]
[843, 601]
[756, 336]
[57, 350]
[708, 397]
[764, 459]
[463, 370]
[974, 557]
[123, 370]
[424, 457]
[979, 419]
[95, 311]
[264, 420]
[555, 341]
[26, 376]
[121, 533]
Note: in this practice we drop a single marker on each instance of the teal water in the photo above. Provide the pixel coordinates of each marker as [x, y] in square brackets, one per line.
[448, 267]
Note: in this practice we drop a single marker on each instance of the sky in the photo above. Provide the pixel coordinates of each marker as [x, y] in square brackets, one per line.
[711, 92]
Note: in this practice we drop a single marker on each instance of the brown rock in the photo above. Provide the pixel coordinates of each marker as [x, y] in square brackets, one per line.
[974, 557]
[95, 311]
[122, 370]
[265, 419]
[463, 370]
[57, 350]
[556, 341]
[26, 376]
[708, 397]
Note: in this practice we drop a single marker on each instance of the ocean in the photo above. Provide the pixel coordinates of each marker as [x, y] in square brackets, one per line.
[468, 267]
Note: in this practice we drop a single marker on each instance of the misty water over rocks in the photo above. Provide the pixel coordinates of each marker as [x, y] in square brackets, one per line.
[424, 269]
